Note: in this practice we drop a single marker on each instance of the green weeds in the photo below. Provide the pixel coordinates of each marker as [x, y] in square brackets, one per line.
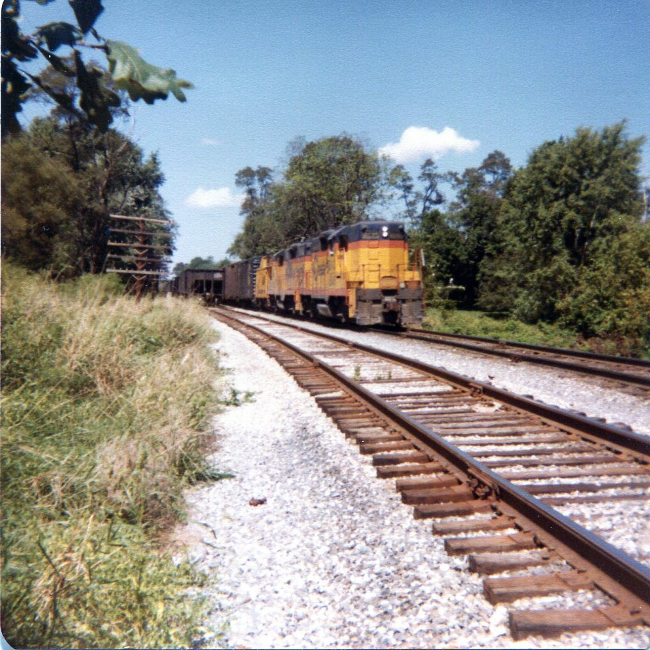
[476, 323]
[237, 399]
[508, 328]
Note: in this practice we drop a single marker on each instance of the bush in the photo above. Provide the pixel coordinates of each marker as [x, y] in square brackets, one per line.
[612, 298]
[475, 323]
[105, 408]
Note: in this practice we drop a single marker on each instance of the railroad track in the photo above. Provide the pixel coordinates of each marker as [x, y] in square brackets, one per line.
[628, 371]
[491, 469]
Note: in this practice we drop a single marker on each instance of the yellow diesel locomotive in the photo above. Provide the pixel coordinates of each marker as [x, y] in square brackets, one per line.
[359, 273]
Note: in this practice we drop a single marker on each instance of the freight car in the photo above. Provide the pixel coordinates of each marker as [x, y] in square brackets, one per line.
[207, 283]
[359, 273]
[239, 281]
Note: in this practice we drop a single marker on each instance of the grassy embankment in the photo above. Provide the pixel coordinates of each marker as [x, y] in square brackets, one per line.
[476, 323]
[105, 407]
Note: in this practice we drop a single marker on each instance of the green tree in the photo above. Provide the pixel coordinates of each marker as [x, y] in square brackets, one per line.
[38, 197]
[262, 231]
[200, 263]
[326, 183]
[611, 298]
[454, 241]
[430, 229]
[107, 173]
[128, 70]
[444, 254]
[418, 202]
[577, 200]
[331, 182]
[479, 192]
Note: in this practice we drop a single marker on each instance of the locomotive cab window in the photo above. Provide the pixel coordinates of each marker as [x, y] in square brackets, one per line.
[369, 233]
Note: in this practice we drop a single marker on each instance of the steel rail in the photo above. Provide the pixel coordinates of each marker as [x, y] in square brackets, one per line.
[626, 440]
[594, 356]
[616, 375]
[601, 432]
[629, 575]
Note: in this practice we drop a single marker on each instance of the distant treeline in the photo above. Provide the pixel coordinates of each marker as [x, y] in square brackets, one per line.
[200, 263]
[563, 239]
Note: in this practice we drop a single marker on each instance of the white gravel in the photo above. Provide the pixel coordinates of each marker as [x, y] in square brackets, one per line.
[593, 397]
[332, 558]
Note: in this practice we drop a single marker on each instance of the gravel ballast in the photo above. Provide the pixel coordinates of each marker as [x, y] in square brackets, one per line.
[595, 397]
[330, 558]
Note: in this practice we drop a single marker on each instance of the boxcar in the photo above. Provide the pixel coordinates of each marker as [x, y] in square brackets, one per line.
[240, 280]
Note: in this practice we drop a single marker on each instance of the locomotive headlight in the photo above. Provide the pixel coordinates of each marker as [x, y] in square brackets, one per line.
[384, 231]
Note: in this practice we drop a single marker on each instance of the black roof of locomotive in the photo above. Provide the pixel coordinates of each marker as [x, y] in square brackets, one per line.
[355, 231]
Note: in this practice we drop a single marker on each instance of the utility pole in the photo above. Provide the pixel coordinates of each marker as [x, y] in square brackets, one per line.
[139, 240]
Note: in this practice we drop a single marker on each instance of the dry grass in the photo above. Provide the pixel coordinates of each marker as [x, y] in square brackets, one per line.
[105, 406]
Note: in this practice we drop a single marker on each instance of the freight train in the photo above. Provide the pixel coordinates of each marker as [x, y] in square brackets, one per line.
[358, 273]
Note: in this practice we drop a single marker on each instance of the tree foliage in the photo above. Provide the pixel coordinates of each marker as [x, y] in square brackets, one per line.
[454, 241]
[200, 263]
[569, 236]
[326, 183]
[263, 222]
[330, 182]
[38, 194]
[418, 202]
[479, 193]
[563, 239]
[61, 179]
[612, 295]
[140, 79]
[130, 72]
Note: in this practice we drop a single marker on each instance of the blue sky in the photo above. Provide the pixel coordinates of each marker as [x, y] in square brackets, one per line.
[452, 79]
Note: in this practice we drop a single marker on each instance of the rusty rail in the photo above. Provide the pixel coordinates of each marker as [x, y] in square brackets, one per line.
[459, 341]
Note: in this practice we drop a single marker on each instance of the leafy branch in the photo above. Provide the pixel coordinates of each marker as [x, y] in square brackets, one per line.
[130, 72]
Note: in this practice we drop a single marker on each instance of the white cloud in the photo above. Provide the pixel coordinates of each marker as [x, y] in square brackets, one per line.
[211, 142]
[419, 142]
[220, 198]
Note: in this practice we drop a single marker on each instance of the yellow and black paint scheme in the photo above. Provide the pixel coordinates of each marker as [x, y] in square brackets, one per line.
[358, 273]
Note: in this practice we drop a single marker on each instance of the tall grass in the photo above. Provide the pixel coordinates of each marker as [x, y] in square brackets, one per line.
[105, 406]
